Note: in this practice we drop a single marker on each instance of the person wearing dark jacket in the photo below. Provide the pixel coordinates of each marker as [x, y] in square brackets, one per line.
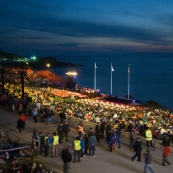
[67, 158]
[60, 130]
[66, 129]
[19, 124]
[137, 150]
[97, 130]
[118, 138]
[148, 160]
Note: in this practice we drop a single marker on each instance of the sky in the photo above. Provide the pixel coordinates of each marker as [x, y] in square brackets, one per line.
[85, 27]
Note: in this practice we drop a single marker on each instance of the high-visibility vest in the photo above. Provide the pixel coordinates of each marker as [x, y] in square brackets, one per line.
[55, 141]
[80, 128]
[148, 135]
[77, 145]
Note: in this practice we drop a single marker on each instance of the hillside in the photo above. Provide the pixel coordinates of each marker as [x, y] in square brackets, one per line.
[14, 61]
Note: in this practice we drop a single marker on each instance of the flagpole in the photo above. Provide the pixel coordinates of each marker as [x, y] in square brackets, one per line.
[128, 81]
[95, 76]
[111, 79]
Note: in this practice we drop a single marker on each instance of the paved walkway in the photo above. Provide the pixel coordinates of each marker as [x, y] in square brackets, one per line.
[105, 162]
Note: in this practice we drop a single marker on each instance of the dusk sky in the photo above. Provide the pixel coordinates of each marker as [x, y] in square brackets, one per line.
[78, 27]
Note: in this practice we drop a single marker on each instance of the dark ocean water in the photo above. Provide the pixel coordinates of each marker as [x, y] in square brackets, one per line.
[151, 78]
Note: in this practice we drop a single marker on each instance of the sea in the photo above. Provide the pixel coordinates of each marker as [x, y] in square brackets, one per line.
[148, 78]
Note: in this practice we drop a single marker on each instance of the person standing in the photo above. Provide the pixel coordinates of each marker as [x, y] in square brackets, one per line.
[67, 158]
[77, 149]
[86, 143]
[55, 143]
[35, 113]
[34, 135]
[137, 149]
[60, 130]
[66, 129]
[47, 142]
[148, 137]
[112, 141]
[97, 130]
[19, 124]
[80, 128]
[62, 116]
[166, 151]
[41, 142]
[118, 138]
[108, 131]
[34, 147]
[23, 117]
[148, 160]
[102, 129]
[82, 147]
[91, 143]
[132, 138]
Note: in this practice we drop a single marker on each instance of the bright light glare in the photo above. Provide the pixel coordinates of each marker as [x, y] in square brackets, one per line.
[71, 73]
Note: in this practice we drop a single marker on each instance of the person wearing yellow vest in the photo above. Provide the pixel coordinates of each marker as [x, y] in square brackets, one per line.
[55, 143]
[148, 137]
[77, 149]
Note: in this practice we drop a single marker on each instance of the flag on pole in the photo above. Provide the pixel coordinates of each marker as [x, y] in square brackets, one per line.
[95, 65]
[112, 68]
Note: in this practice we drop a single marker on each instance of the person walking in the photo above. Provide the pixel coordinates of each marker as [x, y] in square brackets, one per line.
[166, 151]
[91, 143]
[148, 160]
[67, 158]
[148, 137]
[55, 143]
[77, 149]
[137, 149]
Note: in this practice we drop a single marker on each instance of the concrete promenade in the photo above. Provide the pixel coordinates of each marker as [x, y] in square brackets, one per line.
[105, 162]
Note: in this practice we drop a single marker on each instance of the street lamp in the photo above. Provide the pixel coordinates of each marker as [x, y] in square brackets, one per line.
[70, 83]
[48, 65]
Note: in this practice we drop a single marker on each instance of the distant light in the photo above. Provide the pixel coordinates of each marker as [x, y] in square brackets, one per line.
[48, 65]
[71, 73]
[33, 58]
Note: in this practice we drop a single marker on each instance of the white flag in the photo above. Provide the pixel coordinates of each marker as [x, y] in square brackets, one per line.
[112, 68]
[95, 65]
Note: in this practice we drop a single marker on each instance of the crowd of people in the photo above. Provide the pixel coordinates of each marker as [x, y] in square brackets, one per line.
[85, 142]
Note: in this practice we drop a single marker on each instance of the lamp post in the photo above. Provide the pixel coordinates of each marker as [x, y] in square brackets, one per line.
[48, 65]
[70, 82]
[2, 79]
[22, 74]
